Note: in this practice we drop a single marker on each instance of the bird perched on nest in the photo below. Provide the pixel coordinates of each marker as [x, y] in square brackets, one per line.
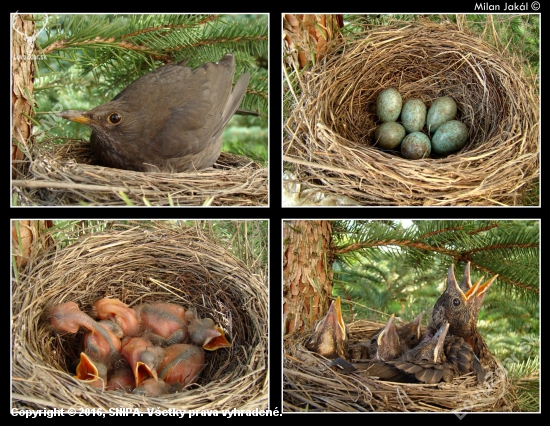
[459, 305]
[330, 335]
[169, 120]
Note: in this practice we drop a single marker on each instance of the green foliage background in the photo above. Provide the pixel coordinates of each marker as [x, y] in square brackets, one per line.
[384, 268]
[91, 58]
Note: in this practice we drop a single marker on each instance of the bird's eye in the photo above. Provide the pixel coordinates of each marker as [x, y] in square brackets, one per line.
[413, 338]
[373, 341]
[456, 302]
[114, 118]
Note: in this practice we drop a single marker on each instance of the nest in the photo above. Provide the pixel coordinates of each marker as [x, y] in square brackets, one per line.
[329, 135]
[61, 175]
[310, 385]
[140, 264]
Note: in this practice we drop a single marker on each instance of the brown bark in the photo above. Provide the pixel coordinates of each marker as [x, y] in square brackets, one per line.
[22, 90]
[307, 35]
[29, 237]
[307, 272]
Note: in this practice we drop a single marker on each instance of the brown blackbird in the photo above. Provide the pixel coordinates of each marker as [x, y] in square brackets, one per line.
[169, 120]
[461, 308]
[330, 336]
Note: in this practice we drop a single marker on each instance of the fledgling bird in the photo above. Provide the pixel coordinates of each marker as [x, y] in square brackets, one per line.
[407, 337]
[115, 310]
[386, 345]
[181, 364]
[461, 309]
[204, 332]
[425, 363]
[330, 335]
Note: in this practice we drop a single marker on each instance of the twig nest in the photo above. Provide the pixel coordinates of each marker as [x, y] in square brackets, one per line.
[307, 376]
[62, 175]
[139, 263]
[330, 134]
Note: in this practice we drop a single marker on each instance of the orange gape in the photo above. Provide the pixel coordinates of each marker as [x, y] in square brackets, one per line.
[204, 332]
[142, 356]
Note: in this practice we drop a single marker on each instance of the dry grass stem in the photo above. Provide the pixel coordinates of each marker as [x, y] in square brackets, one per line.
[62, 175]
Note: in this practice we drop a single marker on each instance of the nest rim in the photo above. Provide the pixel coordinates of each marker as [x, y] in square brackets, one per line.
[67, 174]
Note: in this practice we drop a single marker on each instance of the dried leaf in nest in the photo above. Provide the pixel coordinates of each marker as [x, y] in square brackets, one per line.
[62, 175]
[309, 384]
[139, 263]
[329, 135]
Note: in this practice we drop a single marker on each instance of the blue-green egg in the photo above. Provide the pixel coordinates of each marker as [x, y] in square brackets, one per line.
[416, 145]
[442, 110]
[389, 135]
[413, 115]
[388, 105]
[449, 137]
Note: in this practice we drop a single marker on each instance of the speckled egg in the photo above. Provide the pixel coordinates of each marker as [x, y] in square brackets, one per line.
[442, 110]
[449, 137]
[389, 135]
[416, 145]
[413, 115]
[388, 105]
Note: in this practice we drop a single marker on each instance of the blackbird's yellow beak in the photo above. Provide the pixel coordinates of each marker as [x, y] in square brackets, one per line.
[76, 116]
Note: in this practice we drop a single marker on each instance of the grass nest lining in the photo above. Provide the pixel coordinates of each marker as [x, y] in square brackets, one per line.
[310, 385]
[62, 175]
[329, 135]
[138, 265]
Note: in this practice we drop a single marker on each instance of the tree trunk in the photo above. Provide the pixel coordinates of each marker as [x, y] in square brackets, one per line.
[22, 89]
[307, 36]
[29, 237]
[307, 272]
